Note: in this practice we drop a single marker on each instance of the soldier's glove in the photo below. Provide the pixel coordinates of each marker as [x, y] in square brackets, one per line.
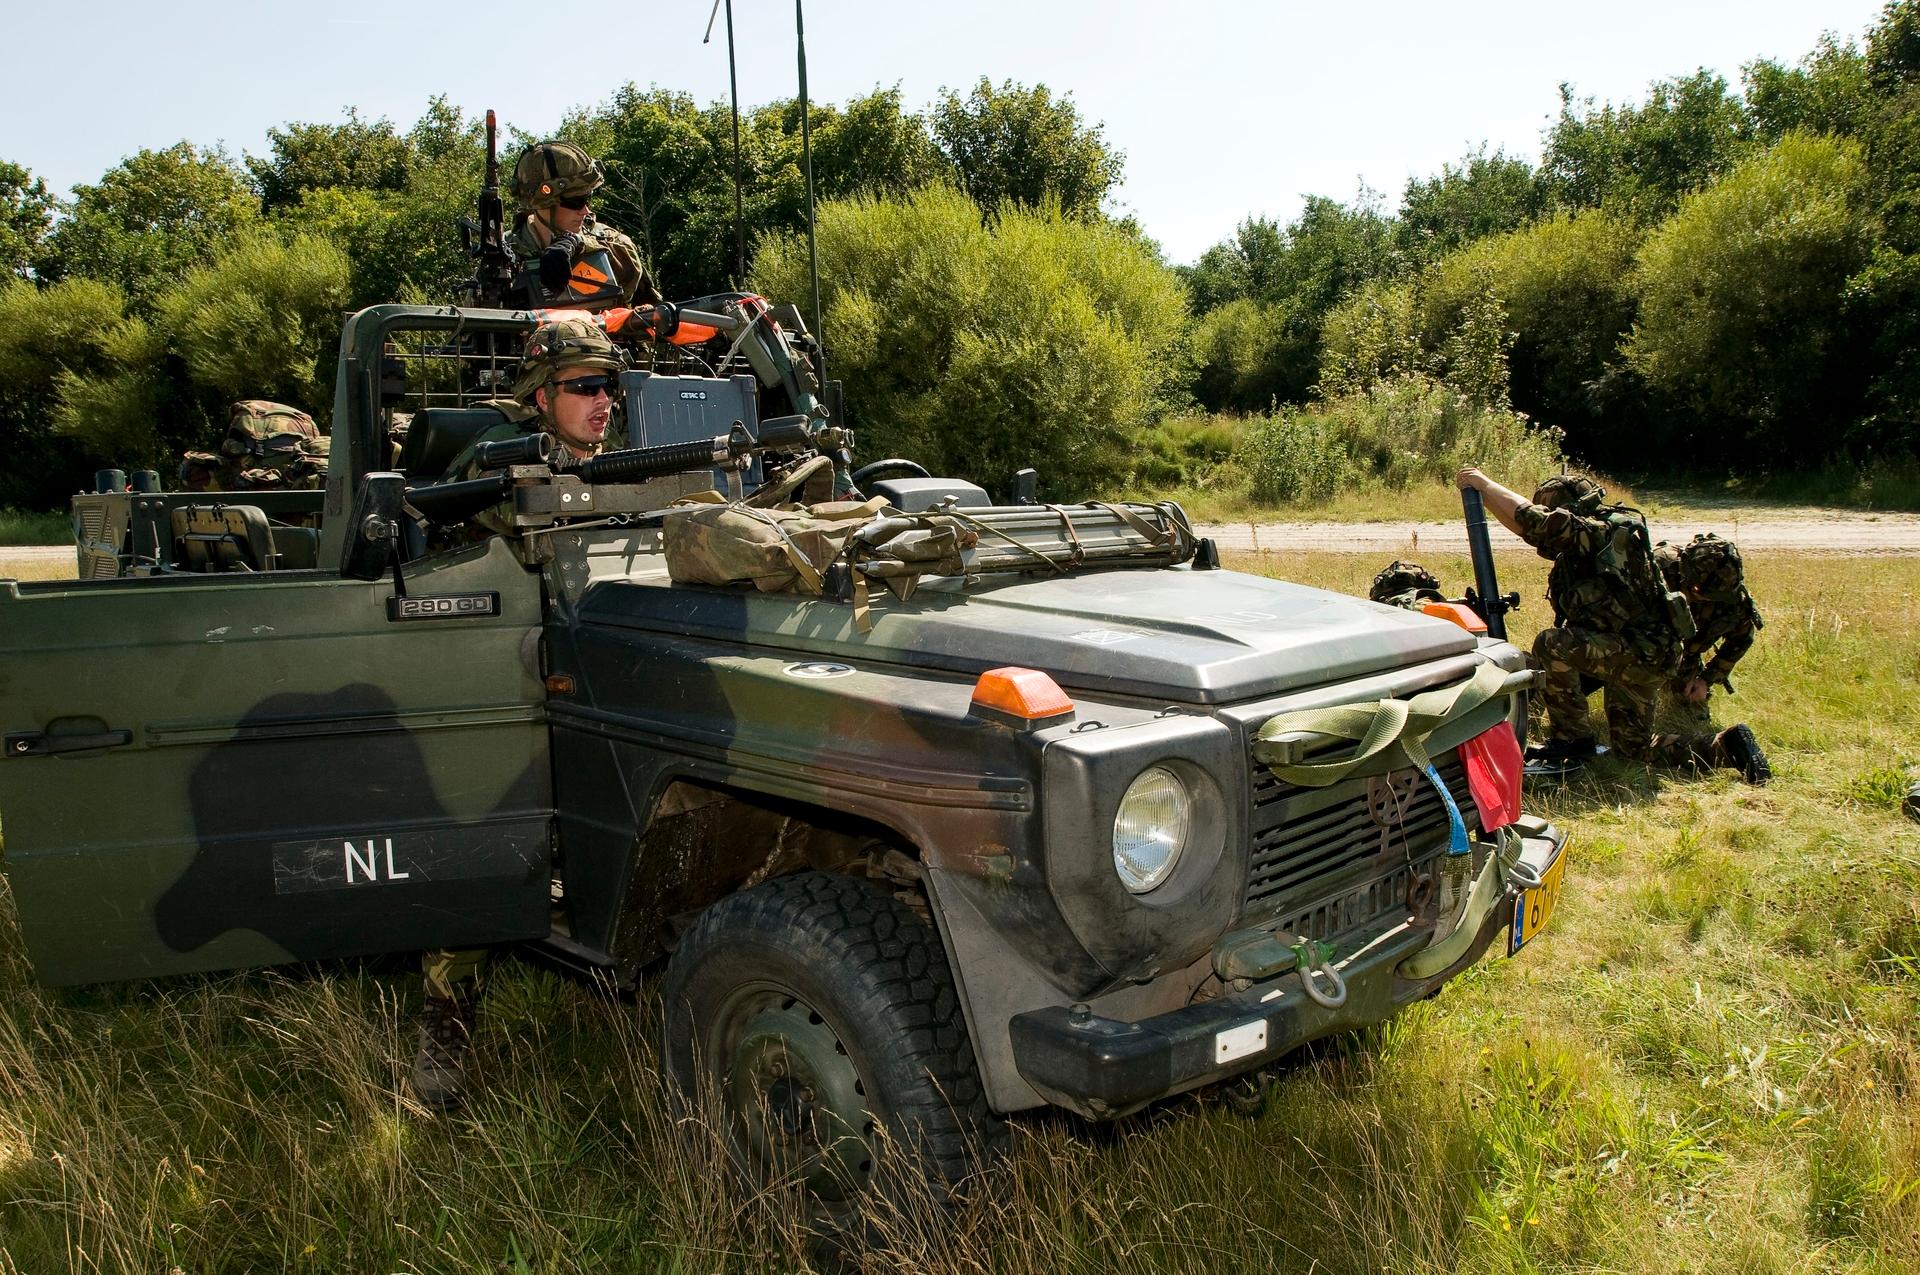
[556, 263]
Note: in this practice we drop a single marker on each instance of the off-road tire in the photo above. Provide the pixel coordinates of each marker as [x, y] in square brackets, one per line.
[874, 970]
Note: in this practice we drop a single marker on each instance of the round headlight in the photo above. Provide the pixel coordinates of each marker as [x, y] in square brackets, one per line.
[1150, 828]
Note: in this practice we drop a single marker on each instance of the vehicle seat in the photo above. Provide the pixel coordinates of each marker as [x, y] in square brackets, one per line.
[438, 434]
[221, 538]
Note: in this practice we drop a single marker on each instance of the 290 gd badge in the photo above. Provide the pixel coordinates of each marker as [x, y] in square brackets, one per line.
[443, 606]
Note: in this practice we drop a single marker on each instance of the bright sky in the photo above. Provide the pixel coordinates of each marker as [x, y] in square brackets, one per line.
[1224, 110]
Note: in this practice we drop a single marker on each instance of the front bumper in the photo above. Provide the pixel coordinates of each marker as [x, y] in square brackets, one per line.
[1103, 1067]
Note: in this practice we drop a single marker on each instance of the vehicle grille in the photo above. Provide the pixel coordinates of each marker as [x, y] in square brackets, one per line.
[1311, 843]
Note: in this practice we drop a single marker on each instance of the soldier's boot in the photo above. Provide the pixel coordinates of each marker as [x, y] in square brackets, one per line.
[439, 1078]
[1562, 750]
[1736, 747]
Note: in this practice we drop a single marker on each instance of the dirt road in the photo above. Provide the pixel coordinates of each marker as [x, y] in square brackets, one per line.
[1821, 531]
[1837, 532]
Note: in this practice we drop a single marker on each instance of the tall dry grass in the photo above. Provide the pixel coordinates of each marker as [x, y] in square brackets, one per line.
[1707, 1063]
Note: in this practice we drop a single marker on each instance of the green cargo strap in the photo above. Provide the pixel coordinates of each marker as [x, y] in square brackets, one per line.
[1375, 726]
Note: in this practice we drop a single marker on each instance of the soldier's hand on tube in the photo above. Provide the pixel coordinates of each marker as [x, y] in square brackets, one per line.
[1470, 477]
[1696, 690]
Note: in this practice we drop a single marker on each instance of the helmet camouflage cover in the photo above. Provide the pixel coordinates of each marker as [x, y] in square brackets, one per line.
[1402, 577]
[1712, 566]
[563, 343]
[548, 172]
[1570, 491]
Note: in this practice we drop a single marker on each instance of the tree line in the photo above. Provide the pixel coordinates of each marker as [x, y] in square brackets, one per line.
[1710, 278]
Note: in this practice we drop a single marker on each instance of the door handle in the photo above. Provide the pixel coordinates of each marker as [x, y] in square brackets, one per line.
[40, 744]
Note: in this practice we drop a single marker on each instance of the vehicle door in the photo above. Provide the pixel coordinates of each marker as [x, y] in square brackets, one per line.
[206, 772]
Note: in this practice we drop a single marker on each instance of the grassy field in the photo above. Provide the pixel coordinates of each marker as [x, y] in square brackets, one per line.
[19, 528]
[1708, 1063]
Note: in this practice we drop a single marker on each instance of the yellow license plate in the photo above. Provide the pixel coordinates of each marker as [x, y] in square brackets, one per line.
[1533, 907]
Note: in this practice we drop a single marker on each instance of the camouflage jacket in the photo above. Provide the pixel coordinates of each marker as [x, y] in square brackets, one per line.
[1604, 577]
[1729, 625]
[628, 271]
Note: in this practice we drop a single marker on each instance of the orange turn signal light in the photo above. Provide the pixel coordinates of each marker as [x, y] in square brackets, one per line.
[1459, 612]
[1025, 693]
[559, 684]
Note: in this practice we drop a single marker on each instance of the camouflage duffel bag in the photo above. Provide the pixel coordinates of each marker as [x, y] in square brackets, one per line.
[788, 549]
[272, 447]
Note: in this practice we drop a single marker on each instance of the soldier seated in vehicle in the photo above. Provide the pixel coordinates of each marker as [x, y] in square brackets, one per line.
[1612, 622]
[1709, 572]
[553, 183]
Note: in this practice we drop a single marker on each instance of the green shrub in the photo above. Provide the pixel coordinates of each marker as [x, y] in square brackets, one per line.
[1405, 430]
[1742, 300]
[980, 348]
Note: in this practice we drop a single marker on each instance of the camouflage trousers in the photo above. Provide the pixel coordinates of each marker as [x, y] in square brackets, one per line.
[1564, 653]
[444, 968]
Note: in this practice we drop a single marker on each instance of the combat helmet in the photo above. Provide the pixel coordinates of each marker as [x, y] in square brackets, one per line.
[1575, 492]
[1399, 578]
[548, 172]
[563, 343]
[1711, 567]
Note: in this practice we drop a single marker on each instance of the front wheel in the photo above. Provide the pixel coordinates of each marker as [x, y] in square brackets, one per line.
[820, 1012]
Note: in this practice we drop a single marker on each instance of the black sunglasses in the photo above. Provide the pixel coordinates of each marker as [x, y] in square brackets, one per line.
[574, 203]
[588, 386]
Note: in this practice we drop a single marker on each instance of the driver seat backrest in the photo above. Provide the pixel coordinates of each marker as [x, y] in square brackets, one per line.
[438, 434]
[222, 538]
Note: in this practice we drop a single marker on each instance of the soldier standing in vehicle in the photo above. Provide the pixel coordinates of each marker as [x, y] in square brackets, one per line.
[1613, 621]
[553, 183]
[566, 387]
[1709, 572]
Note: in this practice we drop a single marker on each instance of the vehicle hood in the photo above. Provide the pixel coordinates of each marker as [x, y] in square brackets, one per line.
[1173, 633]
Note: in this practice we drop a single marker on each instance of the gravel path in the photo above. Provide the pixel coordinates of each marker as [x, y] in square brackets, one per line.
[1820, 531]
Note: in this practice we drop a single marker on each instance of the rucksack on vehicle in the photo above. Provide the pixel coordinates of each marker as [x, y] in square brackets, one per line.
[268, 447]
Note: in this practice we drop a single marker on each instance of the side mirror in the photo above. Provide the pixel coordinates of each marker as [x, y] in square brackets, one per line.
[373, 531]
[1026, 487]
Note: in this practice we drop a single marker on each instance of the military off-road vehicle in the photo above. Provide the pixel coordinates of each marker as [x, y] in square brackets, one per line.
[1087, 822]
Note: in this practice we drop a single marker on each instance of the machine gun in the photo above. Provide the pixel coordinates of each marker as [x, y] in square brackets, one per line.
[522, 460]
[485, 239]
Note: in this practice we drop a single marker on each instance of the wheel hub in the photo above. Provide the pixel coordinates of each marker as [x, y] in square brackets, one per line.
[797, 1098]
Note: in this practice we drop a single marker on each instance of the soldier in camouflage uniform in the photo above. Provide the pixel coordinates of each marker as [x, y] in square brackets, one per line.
[267, 447]
[565, 389]
[1405, 584]
[1613, 621]
[552, 183]
[1708, 571]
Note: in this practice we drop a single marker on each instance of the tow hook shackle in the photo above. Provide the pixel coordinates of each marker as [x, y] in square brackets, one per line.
[1314, 961]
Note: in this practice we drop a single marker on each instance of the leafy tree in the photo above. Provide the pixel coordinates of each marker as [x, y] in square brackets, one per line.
[1296, 277]
[261, 321]
[1239, 350]
[978, 347]
[26, 211]
[670, 171]
[353, 154]
[1643, 159]
[1020, 145]
[1242, 267]
[1565, 287]
[73, 333]
[1742, 297]
[1830, 91]
[1486, 195]
[151, 218]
